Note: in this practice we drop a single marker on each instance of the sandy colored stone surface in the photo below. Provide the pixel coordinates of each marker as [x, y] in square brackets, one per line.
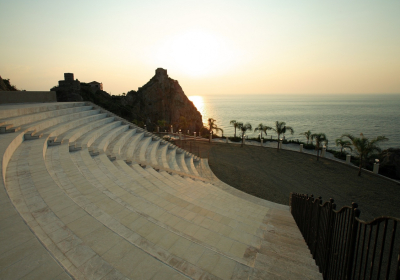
[272, 175]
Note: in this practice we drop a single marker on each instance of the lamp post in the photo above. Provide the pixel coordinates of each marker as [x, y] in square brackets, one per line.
[172, 129]
[348, 159]
[376, 166]
[323, 151]
[180, 135]
[145, 127]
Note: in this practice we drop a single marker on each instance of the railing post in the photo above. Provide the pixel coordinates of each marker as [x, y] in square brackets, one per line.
[309, 215]
[331, 223]
[317, 226]
[352, 240]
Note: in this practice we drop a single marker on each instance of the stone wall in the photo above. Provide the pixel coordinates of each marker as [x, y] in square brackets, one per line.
[27, 96]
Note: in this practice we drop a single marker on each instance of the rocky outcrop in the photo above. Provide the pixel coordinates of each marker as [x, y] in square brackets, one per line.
[6, 86]
[162, 98]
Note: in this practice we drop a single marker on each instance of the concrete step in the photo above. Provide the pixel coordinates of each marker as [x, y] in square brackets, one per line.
[140, 152]
[17, 110]
[285, 268]
[30, 135]
[86, 125]
[129, 149]
[8, 128]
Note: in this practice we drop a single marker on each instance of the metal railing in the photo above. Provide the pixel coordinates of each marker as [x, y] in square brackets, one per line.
[344, 246]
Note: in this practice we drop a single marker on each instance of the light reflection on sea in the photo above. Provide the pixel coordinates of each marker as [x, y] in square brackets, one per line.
[334, 115]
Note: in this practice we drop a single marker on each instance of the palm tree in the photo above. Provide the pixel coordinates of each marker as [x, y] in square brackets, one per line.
[364, 147]
[262, 128]
[281, 128]
[319, 138]
[161, 123]
[344, 144]
[307, 134]
[244, 128]
[213, 126]
[235, 125]
[183, 123]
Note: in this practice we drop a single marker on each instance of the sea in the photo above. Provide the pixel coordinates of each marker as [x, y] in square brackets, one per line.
[334, 115]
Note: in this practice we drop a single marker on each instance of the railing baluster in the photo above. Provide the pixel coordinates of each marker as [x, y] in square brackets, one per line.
[342, 246]
[357, 248]
[391, 249]
[319, 200]
[382, 248]
[374, 250]
[338, 227]
[366, 255]
[352, 239]
[362, 252]
[329, 253]
[398, 266]
[334, 239]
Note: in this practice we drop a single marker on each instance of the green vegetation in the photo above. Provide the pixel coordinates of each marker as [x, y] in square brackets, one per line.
[243, 128]
[262, 128]
[281, 128]
[343, 144]
[307, 134]
[183, 124]
[235, 125]
[319, 139]
[365, 147]
[161, 124]
[212, 126]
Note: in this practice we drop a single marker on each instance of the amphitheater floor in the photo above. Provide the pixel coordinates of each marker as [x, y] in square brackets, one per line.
[272, 175]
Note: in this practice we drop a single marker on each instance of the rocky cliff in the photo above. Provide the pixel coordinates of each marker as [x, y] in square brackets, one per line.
[162, 98]
[6, 86]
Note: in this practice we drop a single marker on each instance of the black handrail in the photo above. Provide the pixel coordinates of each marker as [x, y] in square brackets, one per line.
[343, 245]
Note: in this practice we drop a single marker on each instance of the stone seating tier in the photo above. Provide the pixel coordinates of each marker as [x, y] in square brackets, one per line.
[96, 197]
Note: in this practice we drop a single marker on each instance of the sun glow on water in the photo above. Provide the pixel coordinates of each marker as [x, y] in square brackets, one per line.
[198, 101]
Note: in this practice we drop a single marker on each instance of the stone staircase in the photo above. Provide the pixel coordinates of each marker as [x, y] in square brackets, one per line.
[92, 196]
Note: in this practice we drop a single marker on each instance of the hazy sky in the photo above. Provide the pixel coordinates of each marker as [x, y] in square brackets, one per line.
[210, 47]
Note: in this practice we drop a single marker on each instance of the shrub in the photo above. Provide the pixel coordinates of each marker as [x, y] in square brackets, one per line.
[235, 139]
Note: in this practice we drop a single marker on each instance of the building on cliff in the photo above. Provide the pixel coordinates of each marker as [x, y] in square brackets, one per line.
[95, 86]
[68, 89]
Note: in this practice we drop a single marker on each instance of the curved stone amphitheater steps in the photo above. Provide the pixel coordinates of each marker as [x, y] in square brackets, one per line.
[162, 155]
[171, 157]
[87, 195]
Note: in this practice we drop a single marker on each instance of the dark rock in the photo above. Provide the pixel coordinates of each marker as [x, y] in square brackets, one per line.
[6, 86]
[162, 98]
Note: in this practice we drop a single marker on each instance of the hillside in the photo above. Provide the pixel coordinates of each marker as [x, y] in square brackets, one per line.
[5, 85]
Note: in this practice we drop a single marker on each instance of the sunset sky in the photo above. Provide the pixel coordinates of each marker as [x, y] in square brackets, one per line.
[210, 47]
